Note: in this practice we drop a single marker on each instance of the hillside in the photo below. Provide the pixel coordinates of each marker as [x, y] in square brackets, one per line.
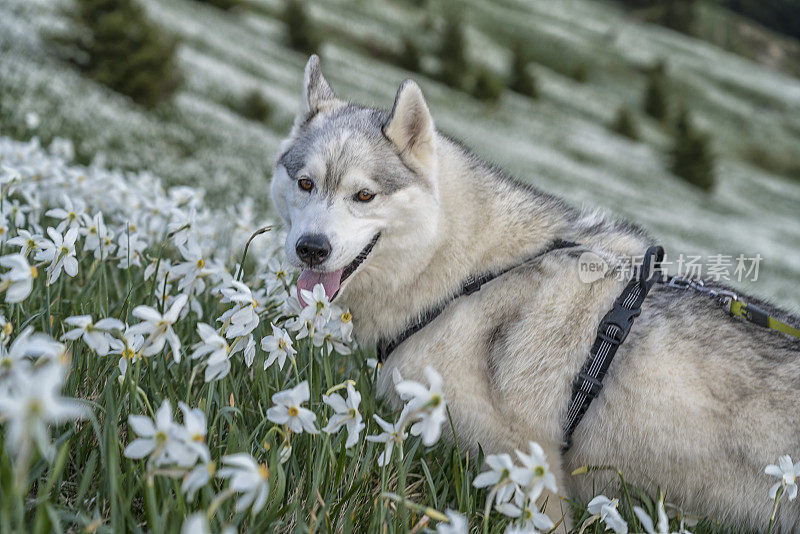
[560, 142]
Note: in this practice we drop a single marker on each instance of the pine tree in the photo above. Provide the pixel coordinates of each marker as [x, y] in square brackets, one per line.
[115, 43]
[624, 124]
[522, 81]
[679, 15]
[487, 87]
[692, 157]
[222, 4]
[655, 98]
[410, 57]
[255, 107]
[302, 33]
[453, 55]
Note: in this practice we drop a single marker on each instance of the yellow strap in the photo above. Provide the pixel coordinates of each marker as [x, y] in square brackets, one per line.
[739, 308]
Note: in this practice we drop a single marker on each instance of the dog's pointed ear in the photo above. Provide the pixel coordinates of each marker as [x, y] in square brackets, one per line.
[317, 93]
[410, 126]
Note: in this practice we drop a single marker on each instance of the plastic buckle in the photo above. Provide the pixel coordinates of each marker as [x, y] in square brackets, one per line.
[595, 386]
[472, 286]
[620, 317]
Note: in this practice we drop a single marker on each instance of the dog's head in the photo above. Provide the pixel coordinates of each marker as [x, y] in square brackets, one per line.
[355, 185]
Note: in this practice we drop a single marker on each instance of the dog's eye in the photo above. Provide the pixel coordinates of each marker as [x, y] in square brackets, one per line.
[305, 184]
[364, 196]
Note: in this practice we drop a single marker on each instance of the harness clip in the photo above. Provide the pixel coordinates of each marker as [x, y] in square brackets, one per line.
[621, 318]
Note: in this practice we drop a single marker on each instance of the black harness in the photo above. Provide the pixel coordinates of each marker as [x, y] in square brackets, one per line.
[611, 333]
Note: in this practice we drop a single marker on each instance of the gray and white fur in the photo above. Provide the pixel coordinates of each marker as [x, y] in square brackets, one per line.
[696, 402]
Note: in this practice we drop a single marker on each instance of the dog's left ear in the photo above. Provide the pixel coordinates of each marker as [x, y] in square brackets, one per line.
[410, 126]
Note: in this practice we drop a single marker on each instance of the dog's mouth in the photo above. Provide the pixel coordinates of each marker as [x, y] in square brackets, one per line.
[333, 280]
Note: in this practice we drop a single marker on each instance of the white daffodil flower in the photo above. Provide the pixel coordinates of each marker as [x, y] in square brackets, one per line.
[98, 238]
[500, 477]
[69, 215]
[27, 241]
[95, 335]
[32, 402]
[535, 475]
[130, 246]
[522, 508]
[289, 411]
[217, 350]
[345, 414]
[393, 434]
[607, 510]
[278, 275]
[197, 523]
[787, 473]
[17, 282]
[458, 524]
[193, 432]
[158, 328]
[193, 266]
[59, 253]
[647, 523]
[247, 478]
[160, 440]
[27, 346]
[198, 478]
[278, 346]
[317, 304]
[425, 404]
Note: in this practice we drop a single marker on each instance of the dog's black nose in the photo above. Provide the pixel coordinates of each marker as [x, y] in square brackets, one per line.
[313, 249]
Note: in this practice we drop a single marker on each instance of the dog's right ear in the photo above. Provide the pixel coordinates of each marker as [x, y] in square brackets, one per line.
[410, 126]
[317, 93]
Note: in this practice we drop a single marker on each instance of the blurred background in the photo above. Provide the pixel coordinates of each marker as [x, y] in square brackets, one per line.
[681, 115]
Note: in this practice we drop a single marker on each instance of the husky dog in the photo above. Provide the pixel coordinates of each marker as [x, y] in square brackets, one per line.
[392, 217]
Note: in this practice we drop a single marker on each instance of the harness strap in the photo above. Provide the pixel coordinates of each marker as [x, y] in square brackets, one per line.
[470, 286]
[611, 333]
[756, 315]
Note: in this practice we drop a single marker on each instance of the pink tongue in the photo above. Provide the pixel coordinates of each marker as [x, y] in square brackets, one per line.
[308, 279]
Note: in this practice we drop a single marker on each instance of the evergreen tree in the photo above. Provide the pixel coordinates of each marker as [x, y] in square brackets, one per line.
[410, 57]
[255, 107]
[487, 87]
[679, 15]
[655, 98]
[522, 81]
[624, 124]
[692, 157]
[453, 55]
[302, 33]
[222, 4]
[114, 43]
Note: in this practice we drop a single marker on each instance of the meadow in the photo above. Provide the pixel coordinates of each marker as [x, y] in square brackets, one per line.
[157, 372]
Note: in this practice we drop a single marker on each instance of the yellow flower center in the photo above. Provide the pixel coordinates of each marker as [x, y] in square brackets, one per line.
[92, 230]
[200, 438]
[352, 413]
[34, 272]
[347, 317]
[200, 263]
[538, 471]
[128, 353]
[436, 400]
[293, 411]
[161, 437]
[263, 470]
[7, 329]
